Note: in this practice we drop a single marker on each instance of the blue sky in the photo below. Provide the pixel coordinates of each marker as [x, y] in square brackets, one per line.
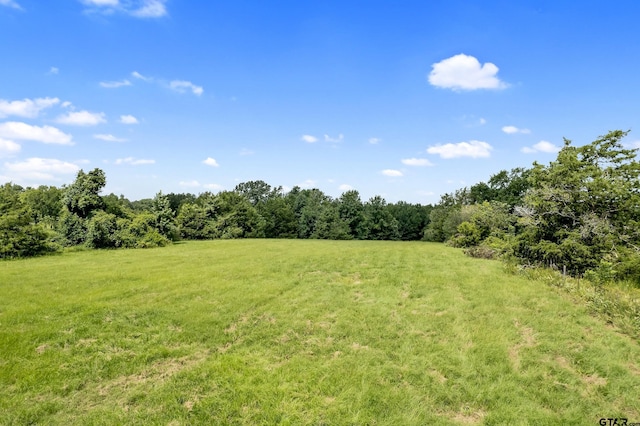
[404, 99]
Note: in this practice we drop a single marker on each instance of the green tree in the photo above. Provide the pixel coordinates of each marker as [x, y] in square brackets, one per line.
[83, 195]
[379, 223]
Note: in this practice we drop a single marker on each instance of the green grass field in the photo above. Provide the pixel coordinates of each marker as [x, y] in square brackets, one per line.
[301, 332]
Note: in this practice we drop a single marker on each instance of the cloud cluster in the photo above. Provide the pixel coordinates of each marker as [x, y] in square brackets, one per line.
[309, 139]
[179, 86]
[542, 146]
[82, 118]
[392, 173]
[137, 8]
[26, 108]
[472, 149]
[15, 130]
[464, 72]
[8, 148]
[42, 169]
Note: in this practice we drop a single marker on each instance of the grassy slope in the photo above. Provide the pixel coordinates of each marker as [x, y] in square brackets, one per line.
[300, 332]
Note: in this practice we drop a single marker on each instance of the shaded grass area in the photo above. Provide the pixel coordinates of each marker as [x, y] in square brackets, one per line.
[301, 332]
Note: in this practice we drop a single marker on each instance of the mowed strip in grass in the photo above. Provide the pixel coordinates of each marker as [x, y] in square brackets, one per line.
[301, 332]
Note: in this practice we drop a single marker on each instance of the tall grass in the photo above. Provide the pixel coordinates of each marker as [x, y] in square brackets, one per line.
[301, 332]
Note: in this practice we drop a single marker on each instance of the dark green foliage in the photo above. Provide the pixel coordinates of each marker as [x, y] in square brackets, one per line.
[351, 211]
[330, 226]
[280, 219]
[379, 223]
[82, 196]
[237, 218]
[102, 231]
[20, 236]
[164, 221]
[412, 219]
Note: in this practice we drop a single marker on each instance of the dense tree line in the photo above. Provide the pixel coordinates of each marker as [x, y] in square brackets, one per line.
[580, 213]
[44, 219]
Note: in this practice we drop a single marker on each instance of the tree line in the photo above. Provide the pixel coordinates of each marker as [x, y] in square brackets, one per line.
[38, 220]
[580, 213]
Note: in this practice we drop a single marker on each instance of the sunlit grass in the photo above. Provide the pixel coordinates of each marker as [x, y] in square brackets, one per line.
[301, 332]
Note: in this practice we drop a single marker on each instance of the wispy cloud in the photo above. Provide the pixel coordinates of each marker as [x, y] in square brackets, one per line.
[392, 173]
[114, 84]
[345, 187]
[542, 146]
[464, 72]
[338, 139]
[82, 118]
[11, 4]
[109, 138]
[15, 130]
[473, 149]
[309, 139]
[417, 162]
[183, 86]
[374, 141]
[189, 183]
[513, 129]
[41, 169]
[139, 76]
[28, 108]
[128, 119]
[133, 161]
[211, 162]
[54, 70]
[246, 151]
[136, 8]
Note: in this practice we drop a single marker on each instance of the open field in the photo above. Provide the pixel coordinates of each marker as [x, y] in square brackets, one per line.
[301, 332]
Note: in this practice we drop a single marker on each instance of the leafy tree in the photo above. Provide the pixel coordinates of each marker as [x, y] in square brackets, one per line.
[256, 191]
[280, 219]
[351, 210]
[163, 215]
[20, 236]
[82, 196]
[330, 226]
[583, 207]
[195, 222]
[412, 219]
[44, 203]
[379, 223]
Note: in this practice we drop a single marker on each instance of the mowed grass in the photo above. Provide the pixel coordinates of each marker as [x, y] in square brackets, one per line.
[301, 332]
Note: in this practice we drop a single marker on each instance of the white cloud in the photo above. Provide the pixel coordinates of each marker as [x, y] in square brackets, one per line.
[26, 107]
[345, 187]
[417, 162]
[392, 173]
[128, 119]
[10, 3]
[190, 183]
[328, 138]
[151, 9]
[41, 168]
[246, 151]
[211, 162]
[182, 86]
[133, 162]
[464, 72]
[374, 141]
[473, 149]
[213, 186]
[139, 76]
[137, 8]
[542, 146]
[109, 138]
[82, 118]
[45, 134]
[482, 121]
[309, 183]
[66, 104]
[54, 70]
[114, 84]
[309, 139]
[8, 148]
[513, 129]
